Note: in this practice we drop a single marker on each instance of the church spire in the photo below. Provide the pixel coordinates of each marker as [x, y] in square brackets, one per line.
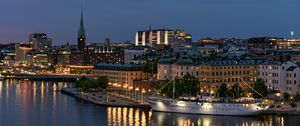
[81, 34]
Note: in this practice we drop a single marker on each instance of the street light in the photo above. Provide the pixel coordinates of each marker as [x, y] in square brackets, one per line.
[137, 89]
[130, 93]
[143, 91]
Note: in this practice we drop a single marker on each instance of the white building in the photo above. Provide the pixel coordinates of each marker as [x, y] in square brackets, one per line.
[129, 55]
[159, 36]
[276, 75]
[293, 80]
[169, 68]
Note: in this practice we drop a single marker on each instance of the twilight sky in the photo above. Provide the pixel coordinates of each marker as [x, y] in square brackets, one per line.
[119, 19]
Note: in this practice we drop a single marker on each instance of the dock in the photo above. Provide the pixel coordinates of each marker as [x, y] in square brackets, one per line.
[105, 99]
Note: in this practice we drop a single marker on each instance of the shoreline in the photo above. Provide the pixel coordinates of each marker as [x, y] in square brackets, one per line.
[114, 101]
[75, 93]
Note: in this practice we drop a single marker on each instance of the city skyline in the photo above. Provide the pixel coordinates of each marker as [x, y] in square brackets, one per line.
[119, 20]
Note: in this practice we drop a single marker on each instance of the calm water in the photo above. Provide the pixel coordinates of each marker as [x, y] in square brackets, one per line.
[36, 103]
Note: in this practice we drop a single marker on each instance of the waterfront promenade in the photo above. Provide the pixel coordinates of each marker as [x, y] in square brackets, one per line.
[106, 98]
[60, 77]
[120, 100]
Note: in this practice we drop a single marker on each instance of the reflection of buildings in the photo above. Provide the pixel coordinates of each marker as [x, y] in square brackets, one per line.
[128, 116]
[175, 119]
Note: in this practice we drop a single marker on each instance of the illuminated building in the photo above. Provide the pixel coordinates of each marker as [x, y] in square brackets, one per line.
[159, 36]
[123, 74]
[293, 80]
[38, 59]
[280, 76]
[73, 69]
[21, 51]
[101, 53]
[188, 38]
[65, 58]
[288, 45]
[230, 72]
[170, 68]
[9, 58]
[40, 41]
[130, 54]
[262, 42]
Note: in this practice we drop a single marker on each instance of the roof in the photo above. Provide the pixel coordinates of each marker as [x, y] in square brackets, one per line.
[231, 62]
[185, 60]
[165, 60]
[292, 68]
[272, 63]
[119, 66]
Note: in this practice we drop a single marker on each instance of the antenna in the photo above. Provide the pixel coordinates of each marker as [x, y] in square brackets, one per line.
[292, 34]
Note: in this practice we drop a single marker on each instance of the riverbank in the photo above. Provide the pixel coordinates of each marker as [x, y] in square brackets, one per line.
[44, 77]
[115, 100]
[105, 99]
[285, 110]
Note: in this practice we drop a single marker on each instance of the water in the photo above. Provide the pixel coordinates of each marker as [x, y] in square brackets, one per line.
[37, 103]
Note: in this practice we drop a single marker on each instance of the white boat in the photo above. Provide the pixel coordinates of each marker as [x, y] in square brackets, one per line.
[206, 107]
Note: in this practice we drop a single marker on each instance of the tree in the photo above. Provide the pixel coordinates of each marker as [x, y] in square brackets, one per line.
[188, 85]
[86, 83]
[286, 96]
[223, 90]
[150, 67]
[260, 89]
[102, 82]
[236, 90]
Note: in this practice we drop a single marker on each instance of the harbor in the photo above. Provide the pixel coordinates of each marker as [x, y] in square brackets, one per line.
[113, 99]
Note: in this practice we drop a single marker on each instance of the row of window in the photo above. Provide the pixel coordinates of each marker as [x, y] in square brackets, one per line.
[290, 82]
[230, 73]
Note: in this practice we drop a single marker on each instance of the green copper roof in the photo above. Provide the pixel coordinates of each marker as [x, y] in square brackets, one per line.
[165, 60]
[185, 60]
[81, 32]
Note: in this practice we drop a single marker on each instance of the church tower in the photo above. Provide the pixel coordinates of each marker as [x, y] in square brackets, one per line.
[81, 35]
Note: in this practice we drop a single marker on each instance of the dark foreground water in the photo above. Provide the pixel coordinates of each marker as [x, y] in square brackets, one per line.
[36, 103]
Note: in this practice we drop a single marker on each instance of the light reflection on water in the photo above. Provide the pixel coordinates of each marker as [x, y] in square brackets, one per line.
[36, 103]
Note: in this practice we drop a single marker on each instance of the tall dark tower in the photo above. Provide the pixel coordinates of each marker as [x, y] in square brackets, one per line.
[81, 35]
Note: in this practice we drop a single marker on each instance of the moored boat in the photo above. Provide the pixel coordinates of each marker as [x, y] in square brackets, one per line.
[240, 108]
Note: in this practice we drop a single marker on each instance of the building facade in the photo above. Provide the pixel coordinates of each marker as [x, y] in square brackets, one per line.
[230, 72]
[121, 74]
[102, 53]
[159, 36]
[279, 76]
[40, 41]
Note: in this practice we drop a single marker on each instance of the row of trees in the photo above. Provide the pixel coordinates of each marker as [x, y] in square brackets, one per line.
[259, 90]
[188, 85]
[87, 84]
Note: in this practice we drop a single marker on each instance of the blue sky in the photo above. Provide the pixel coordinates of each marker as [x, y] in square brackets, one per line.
[119, 19]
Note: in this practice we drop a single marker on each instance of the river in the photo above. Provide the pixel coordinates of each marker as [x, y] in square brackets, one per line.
[39, 103]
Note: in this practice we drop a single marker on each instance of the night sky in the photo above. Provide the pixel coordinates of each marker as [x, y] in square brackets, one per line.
[120, 19]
